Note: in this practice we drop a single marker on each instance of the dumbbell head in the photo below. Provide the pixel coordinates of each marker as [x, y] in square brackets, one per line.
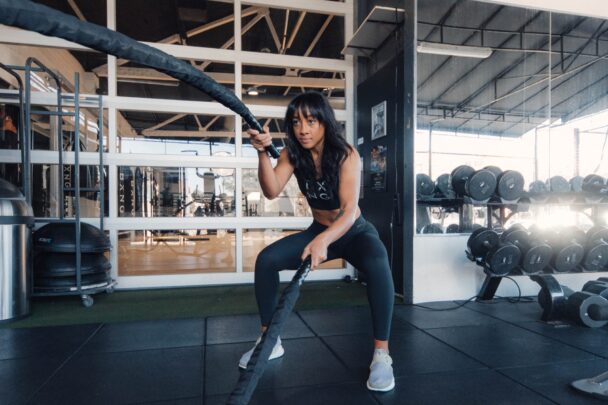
[593, 183]
[558, 184]
[494, 169]
[443, 186]
[503, 259]
[596, 287]
[432, 228]
[536, 255]
[425, 188]
[578, 306]
[552, 298]
[576, 184]
[597, 232]
[481, 241]
[510, 185]
[452, 228]
[459, 177]
[480, 185]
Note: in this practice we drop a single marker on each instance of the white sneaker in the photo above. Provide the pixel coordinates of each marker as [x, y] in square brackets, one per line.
[381, 372]
[277, 351]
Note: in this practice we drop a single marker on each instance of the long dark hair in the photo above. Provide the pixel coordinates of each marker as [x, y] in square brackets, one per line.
[335, 147]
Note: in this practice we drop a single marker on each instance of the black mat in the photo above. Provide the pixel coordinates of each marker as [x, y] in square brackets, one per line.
[441, 315]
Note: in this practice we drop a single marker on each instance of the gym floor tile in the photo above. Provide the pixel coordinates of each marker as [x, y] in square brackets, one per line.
[147, 335]
[412, 351]
[56, 341]
[128, 377]
[589, 339]
[553, 380]
[344, 321]
[246, 328]
[464, 387]
[351, 394]
[20, 378]
[505, 345]
[524, 311]
[441, 316]
[306, 361]
[175, 401]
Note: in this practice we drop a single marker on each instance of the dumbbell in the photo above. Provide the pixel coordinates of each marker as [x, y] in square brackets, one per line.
[452, 228]
[443, 187]
[559, 188]
[567, 245]
[501, 258]
[480, 185]
[459, 177]
[593, 183]
[551, 297]
[597, 287]
[510, 185]
[587, 309]
[538, 191]
[536, 255]
[596, 249]
[576, 184]
[432, 228]
[425, 188]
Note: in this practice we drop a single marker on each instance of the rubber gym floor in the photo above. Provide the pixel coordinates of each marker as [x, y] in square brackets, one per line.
[181, 346]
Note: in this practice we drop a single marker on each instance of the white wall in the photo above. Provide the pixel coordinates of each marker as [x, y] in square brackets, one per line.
[590, 8]
[443, 273]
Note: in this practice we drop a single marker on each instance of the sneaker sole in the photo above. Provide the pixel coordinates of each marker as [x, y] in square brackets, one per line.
[389, 388]
[273, 356]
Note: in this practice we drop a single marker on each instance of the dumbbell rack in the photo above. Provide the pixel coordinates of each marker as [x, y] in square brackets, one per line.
[33, 65]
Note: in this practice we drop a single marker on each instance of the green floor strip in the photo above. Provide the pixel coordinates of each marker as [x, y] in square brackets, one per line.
[122, 306]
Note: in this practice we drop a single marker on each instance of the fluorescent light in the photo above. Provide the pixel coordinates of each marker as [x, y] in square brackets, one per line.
[253, 91]
[454, 50]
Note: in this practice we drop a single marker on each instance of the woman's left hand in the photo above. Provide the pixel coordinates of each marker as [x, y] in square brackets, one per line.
[317, 250]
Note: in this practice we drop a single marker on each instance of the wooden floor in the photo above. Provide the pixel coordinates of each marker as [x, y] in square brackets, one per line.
[191, 254]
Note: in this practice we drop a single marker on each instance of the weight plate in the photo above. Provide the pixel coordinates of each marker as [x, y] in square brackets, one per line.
[537, 187]
[482, 240]
[444, 186]
[503, 259]
[568, 257]
[596, 257]
[425, 188]
[558, 184]
[573, 233]
[510, 185]
[576, 184]
[459, 176]
[597, 288]
[536, 259]
[577, 308]
[481, 185]
[452, 228]
[513, 228]
[597, 232]
[593, 183]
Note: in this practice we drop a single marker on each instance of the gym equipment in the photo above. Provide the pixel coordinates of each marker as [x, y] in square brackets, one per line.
[425, 188]
[593, 183]
[536, 255]
[510, 185]
[500, 258]
[443, 186]
[459, 177]
[494, 169]
[248, 379]
[596, 249]
[16, 219]
[432, 228]
[538, 191]
[568, 250]
[558, 184]
[63, 264]
[480, 185]
[47, 21]
[576, 184]
[551, 297]
[596, 386]
[596, 287]
[452, 228]
[61, 238]
[50, 283]
[587, 309]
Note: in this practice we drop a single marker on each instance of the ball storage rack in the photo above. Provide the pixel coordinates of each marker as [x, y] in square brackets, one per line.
[66, 105]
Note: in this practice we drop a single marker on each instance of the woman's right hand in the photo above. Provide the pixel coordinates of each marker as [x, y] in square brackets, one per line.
[260, 141]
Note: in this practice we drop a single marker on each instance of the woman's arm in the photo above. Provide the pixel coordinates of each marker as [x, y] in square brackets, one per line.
[350, 178]
[272, 180]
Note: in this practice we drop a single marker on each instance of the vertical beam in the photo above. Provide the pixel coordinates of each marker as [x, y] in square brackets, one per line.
[112, 125]
[238, 139]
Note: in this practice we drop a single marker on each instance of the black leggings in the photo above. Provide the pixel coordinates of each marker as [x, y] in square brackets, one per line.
[360, 246]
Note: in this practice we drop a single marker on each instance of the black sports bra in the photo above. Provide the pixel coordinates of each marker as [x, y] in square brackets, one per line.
[319, 194]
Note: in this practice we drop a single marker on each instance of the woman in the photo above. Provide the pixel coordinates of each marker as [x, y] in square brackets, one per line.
[328, 174]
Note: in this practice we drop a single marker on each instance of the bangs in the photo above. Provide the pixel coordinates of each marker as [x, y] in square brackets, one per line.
[307, 104]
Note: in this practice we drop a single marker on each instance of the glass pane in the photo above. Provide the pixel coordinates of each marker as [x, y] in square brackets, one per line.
[290, 203]
[175, 191]
[254, 240]
[175, 134]
[46, 181]
[176, 252]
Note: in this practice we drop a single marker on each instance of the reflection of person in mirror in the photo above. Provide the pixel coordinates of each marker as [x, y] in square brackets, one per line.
[9, 139]
[327, 170]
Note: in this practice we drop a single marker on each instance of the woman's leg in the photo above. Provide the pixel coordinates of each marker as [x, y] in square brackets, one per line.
[280, 255]
[367, 253]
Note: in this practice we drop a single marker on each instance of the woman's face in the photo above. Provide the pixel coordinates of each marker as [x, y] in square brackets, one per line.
[307, 129]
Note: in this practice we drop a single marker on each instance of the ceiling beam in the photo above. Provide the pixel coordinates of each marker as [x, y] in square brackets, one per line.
[199, 134]
[76, 9]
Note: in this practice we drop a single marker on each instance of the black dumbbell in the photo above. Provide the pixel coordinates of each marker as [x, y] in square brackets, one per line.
[500, 258]
[587, 309]
[480, 185]
[536, 255]
[459, 177]
[510, 185]
[551, 297]
[452, 228]
[597, 287]
[425, 187]
[596, 249]
[593, 183]
[559, 189]
[432, 228]
[538, 191]
[443, 187]
[576, 184]
[567, 245]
